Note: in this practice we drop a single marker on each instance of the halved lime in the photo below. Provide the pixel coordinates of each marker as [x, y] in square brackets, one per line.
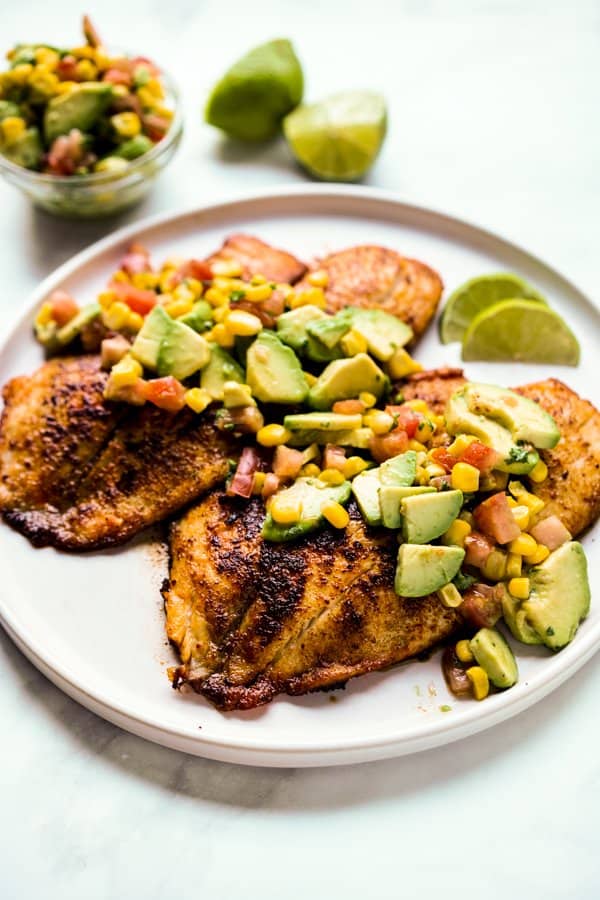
[255, 94]
[520, 331]
[474, 295]
[339, 138]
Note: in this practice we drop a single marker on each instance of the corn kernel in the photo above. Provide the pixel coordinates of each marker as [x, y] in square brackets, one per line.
[335, 514]
[513, 565]
[126, 124]
[310, 378]
[227, 268]
[456, 534]
[352, 343]
[85, 70]
[195, 286]
[154, 86]
[313, 451]
[125, 372]
[258, 279]
[463, 651]
[460, 444]
[47, 57]
[494, 567]
[148, 281]
[273, 435]
[539, 472]
[222, 336]
[12, 128]
[465, 477]
[354, 465]
[378, 421]
[220, 313]
[418, 406]
[533, 503]
[65, 87]
[521, 516]
[183, 292]
[422, 476]
[480, 682]
[134, 321]
[146, 98]
[539, 555]
[116, 315]
[258, 482]
[417, 446]
[106, 299]
[313, 296]
[519, 588]
[425, 430]
[320, 278]
[197, 399]
[216, 297]
[524, 545]
[20, 74]
[310, 470]
[177, 308]
[256, 293]
[285, 289]
[332, 476]
[367, 399]
[45, 314]
[285, 512]
[242, 323]
[402, 364]
[450, 596]
[435, 471]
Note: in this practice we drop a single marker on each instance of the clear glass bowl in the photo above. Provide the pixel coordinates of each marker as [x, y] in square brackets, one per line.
[100, 193]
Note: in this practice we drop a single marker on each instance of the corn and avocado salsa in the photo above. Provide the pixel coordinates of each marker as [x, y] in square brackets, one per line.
[79, 110]
[316, 401]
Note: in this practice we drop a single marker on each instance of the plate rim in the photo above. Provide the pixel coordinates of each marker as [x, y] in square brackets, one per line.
[258, 750]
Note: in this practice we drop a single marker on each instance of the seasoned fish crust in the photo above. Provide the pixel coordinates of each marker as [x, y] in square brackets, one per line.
[378, 278]
[258, 258]
[80, 473]
[252, 619]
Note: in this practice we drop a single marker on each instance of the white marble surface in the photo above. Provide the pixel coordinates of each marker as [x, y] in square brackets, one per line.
[494, 116]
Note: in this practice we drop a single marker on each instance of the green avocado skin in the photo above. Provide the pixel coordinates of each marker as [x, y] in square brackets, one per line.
[80, 109]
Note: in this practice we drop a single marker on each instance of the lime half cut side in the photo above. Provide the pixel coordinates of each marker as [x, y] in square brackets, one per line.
[475, 295]
[339, 138]
[520, 331]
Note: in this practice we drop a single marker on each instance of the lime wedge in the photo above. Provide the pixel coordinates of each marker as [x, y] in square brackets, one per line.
[474, 295]
[520, 331]
[339, 138]
[255, 94]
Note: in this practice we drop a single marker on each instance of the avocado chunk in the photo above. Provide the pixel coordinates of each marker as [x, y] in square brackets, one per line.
[311, 493]
[236, 394]
[322, 421]
[383, 333]
[26, 151]
[80, 108]
[134, 147]
[200, 317]
[291, 326]
[221, 368]
[73, 328]
[390, 498]
[517, 458]
[424, 568]
[329, 330]
[559, 597]
[427, 516]
[358, 437]
[167, 346]
[525, 419]
[273, 371]
[8, 108]
[346, 378]
[318, 352]
[365, 488]
[495, 657]
[516, 619]
[399, 470]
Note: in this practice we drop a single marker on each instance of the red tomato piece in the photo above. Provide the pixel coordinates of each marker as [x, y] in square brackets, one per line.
[64, 307]
[156, 127]
[478, 455]
[348, 407]
[196, 268]
[65, 68]
[118, 76]
[166, 393]
[442, 457]
[478, 547]
[271, 485]
[482, 605]
[137, 299]
[136, 260]
[494, 517]
[406, 418]
[334, 457]
[384, 446]
[287, 462]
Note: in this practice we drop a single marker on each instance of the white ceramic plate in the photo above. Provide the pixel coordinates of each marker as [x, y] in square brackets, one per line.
[94, 623]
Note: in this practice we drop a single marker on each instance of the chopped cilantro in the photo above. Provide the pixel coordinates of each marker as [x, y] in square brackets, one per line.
[518, 455]
[237, 295]
[462, 581]
[445, 708]
[550, 631]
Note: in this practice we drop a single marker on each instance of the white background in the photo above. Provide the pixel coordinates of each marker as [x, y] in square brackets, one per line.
[494, 116]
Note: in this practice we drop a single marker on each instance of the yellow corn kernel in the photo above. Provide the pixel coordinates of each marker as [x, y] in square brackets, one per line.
[126, 371]
[519, 588]
[320, 278]
[312, 452]
[146, 98]
[435, 471]
[228, 268]
[116, 315]
[465, 477]
[47, 57]
[439, 422]
[258, 482]
[242, 323]
[177, 308]
[522, 495]
[44, 316]
[20, 74]
[126, 124]
[539, 472]
[258, 279]
[154, 86]
[456, 534]
[43, 83]
[285, 512]
[354, 465]
[402, 364]
[197, 399]
[120, 277]
[335, 514]
[256, 293]
[418, 406]
[83, 52]
[216, 297]
[86, 70]
[222, 336]
[147, 281]
[134, 321]
[183, 292]
[285, 289]
[332, 476]
[425, 430]
[12, 128]
[463, 651]
[494, 567]
[539, 555]
[513, 565]
[273, 435]
[106, 299]
[310, 378]
[422, 476]
[367, 399]
[417, 446]
[521, 516]
[220, 313]
[378, 421]
[524, 545]
[195, 286]
[480, 682]
[65, 87]
[313, 296]
[352, 343]
[450, 596]
[460, 444]
[310, 470]
[225, 284]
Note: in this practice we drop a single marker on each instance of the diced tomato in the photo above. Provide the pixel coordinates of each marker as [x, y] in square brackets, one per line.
[243, 479]
[64, 307]
[406, 418]
[136, 260]
[128, 393]
[287, 462]
[118, 76]
[156, 126]
[67, 153]
[482, 605]
[271, 485]
[65, 68]
[439, 482]
[348, 407]
[334, 457]
[137, 299]
[455, 673]
[112, 350]
[478, 455]
[166, 393]
[147, 63]
[478, 547]
[494, 517]
[274, 305]
[384, 446]
[442, 457]
[551, 533]
[256, 309]
[195, 268]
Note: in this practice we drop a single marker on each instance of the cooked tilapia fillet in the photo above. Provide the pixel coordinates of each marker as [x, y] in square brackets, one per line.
[572, 489]
[258, 258]
[379, 278]
[79, 473]
[251, 619]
